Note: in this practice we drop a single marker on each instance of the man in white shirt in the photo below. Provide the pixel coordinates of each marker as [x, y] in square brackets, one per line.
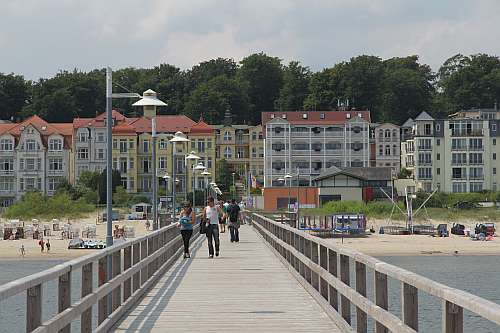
[211, 215]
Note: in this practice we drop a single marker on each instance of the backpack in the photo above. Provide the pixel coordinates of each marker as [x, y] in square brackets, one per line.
[233, 213]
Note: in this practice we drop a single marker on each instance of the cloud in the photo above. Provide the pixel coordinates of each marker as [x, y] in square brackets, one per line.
[43, 37]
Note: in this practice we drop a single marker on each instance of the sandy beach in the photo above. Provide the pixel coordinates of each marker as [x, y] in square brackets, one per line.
[400, 245]
[10, 249]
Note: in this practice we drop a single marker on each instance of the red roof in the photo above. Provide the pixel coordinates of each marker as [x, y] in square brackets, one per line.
[98, 121]
[201, 128]
[124, 129]
[164, 124]
[46, 129]
[315, 117]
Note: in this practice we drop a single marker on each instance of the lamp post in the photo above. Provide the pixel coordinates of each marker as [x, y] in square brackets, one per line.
[205, 175]
[191, 157]
[166, 177]
[289, 177]
[148, 100]
[198, 167]
[178, 137]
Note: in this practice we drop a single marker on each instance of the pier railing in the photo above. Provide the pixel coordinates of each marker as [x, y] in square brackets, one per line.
[325, 270]
[136, 266]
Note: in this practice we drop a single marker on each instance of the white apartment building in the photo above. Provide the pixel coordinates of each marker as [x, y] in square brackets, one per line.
[34, 155]
[313, 141]
[385, 148]
[453, 155]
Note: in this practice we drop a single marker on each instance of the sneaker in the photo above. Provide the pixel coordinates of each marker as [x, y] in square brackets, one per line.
[188, 255]
[211, 256]
[217, 253]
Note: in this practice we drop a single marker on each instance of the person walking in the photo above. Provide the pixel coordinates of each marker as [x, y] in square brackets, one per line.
[42, 244]
[233, 212]
[222, 217]
[211, 215]
[186, 223]
[23, 251]
[47, 245]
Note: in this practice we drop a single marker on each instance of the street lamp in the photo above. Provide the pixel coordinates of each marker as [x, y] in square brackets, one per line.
[289, 177]
[191, 157]
[179, 137]
[205, 175]
[166, 177]
[198, 167]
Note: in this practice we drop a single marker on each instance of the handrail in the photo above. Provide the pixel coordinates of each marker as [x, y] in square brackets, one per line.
[137, 264]
[325, 266]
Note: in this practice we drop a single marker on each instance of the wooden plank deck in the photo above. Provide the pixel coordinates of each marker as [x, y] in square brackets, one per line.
[245, 289]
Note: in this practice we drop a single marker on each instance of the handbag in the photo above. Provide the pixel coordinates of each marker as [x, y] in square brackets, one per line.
[203, 226]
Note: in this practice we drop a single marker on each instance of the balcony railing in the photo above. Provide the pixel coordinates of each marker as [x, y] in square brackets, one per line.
[478, 132]
[6, 172]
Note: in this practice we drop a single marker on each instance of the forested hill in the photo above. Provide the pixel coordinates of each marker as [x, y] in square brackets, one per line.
[392, 89]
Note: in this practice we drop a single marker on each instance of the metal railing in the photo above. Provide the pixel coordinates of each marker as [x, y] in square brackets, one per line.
[137, 265]
[325, 270]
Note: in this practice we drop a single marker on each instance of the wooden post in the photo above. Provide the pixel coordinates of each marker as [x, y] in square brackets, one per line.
[361, 318]
[345, 277]
[381, 298]
[136, 257]
[127, 263]
[453, 318]
[117, 269]
[102, 306]
[87, 283]
[409, 301]
[64, 293]
[33, 307]
[144, 254]
[332, 268]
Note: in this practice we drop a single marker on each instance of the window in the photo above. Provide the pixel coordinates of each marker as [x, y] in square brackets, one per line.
[494, 171]
[334, 146]
[145, 146]
[55, 144]
[115, 163]
[131, 163]
[123, 145]
[100, 154]
[458, 173]
[424, 158]
[100, 137]
[424, 173]
[476, 187]
[254, 136]
[321, 116]
[30, 164]
[387, 133]
[459, 187]
[476, 173]
[21, 184]
[54, 183]
[162, 163]
[438, 156]
[31, 145]
[394, 150]
[381, 150]
[458, 144]
[209, 143]
[131, 144]
[55, 164]
[494, 127]
[261, 152]
[227, 136]
[424, 144]
[438, 171]
[21, 164]
[209, 162]
[438, 127]
[6, 145]
[6, 184]
[82, 137]
[115, 143]
[476, 158]
[476, 144]
[459, 158]
[228, 153]
[123, 164]
[438, 142]
[83, 153]
[6, 165]
[427, 129]
[201, 145]
[494, 142]
[494, 156]
[146, 165]
[387, 150]
[163, 144]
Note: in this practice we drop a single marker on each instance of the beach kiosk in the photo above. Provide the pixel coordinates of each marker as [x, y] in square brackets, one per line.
[142, 210]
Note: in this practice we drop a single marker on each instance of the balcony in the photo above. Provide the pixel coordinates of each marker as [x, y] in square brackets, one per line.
[424, 147]
[481, 148]
[55, 172]
[6, 172]
[477, 132]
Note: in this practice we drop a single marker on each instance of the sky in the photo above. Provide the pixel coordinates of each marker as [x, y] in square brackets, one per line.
[39, 38]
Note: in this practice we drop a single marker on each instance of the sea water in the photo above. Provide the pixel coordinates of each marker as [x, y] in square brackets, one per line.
[479, 275]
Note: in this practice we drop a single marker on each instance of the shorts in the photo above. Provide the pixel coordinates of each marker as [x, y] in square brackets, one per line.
[222, 221]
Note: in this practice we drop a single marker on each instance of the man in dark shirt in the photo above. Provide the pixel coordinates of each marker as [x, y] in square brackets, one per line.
[233, 212]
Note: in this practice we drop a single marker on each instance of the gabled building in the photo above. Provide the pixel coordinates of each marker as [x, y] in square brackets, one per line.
[34, 155]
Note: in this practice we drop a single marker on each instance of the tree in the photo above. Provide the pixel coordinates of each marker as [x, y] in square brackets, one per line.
[295, 87]
[262, 76]
[116, 181]
[224, 177]
[211, 99]
[89, 179]
[13, 95]
[472, 81]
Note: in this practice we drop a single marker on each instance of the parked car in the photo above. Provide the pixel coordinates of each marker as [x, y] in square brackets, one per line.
[90, 244]
[76, 243]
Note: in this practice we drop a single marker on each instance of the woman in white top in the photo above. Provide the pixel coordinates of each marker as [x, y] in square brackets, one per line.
[211, 215]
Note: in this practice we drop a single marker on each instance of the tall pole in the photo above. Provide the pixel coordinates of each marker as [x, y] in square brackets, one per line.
[173, 182]
[155, 178]
[109, 175]
[289, 186]
[194, 186]
[298, 196]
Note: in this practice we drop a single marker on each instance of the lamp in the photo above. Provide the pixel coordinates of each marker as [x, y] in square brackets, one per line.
[178, 137]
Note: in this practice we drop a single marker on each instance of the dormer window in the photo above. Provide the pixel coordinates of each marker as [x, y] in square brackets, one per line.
[304, 116]
[321, 116]
[6, 145]
[227, 136]
[360, 115]
[272, 115]
[55, 144]
[348, 116]
[283, 116]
